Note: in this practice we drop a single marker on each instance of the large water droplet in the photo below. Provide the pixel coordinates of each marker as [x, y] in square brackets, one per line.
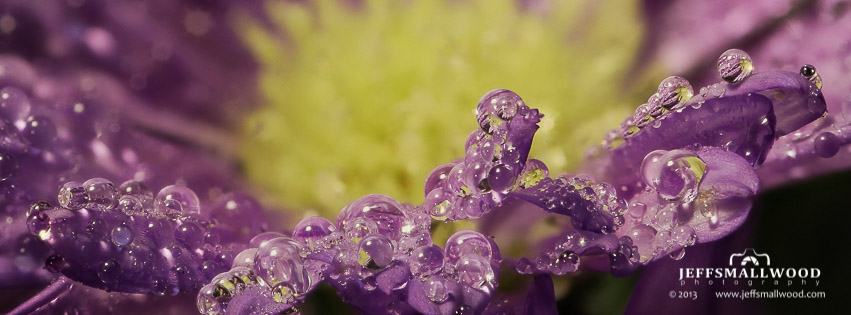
[672, 91]
[39, 131]
[565, 262]
[109, 272]
[735, 65]
[245, 258]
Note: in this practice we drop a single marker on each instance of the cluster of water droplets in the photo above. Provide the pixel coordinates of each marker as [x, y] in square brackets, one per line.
[378, 254]
[127, 239]
[495, 162]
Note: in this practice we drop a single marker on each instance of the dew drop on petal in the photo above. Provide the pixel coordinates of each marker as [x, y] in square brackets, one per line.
[735, 65]
[436, 290]
[672, 91]
[467, 242]
[426, 260]
[207, 303]
[102, 194]
[643, 237]
[177, 200]
[826, 144]
[122, 235]
[474, 270]
[376, 252]
[73, 196]
[137, 189]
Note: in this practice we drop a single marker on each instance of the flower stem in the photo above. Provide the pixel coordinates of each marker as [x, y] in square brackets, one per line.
[49, 294]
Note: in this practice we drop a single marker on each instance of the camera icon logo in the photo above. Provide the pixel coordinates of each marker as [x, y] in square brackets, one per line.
[749, 257]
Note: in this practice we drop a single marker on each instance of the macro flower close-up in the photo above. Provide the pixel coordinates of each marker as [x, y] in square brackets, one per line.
[424, 157]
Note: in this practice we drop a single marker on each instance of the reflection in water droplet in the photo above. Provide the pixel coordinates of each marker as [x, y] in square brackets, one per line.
[826, 144]
[672, 91]
[735, 65]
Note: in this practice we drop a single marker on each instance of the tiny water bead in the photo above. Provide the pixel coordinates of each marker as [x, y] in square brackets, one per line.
[672, 91]
[735, 65]
[122, 235]
[827, 144]
[809, 72]
[177, 200]
[130, 205]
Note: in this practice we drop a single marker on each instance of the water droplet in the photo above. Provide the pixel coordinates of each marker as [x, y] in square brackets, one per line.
[827, 144]
[122, 235]
[501, 178]
[39, 131]
[109, 272]
[102, 194]
[705, 204]
[464, 310]
[55, 263]
[809, 72]
[14, 104]
[73, 196]
[637, 210]
[565, 262]
[137, 189]
[426, 260]
[279, 260]
[672, 91]
[38, 224]
[675, 175]
[207, 303]
[642, 237]
[735, 65]
[376, 252]
[437, 177]
[474, 270]
[678, 254]
[467, 242]
[189, 234]
[245, 258]
[283, 293]
[176, 201]
[436, 290]
[130, 205]
[665, 218]
[684, 235]
[312, 230]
